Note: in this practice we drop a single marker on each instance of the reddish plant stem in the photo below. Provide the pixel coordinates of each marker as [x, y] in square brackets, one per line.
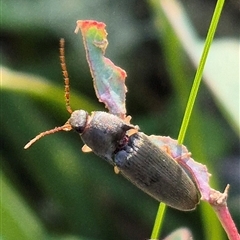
[219, 203]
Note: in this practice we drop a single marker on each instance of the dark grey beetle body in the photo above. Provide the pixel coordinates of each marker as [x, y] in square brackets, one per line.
[138, 159]
[156, 173]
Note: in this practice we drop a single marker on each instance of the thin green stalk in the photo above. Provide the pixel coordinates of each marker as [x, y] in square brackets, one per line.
[199, 73]
[192, 97]
[158, 221]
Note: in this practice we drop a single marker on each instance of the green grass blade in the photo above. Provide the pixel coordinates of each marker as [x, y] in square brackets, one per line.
[199, 73]
[158, 221]
[192, 97]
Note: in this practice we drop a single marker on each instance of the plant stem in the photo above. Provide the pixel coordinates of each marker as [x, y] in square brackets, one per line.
[227, 222]
[198, 76]
[192, 97]
[218, 202]
[158, 220]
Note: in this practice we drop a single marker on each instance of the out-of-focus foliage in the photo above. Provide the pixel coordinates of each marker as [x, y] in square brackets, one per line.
[53, 189]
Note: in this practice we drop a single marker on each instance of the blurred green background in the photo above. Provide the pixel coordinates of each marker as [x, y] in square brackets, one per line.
[53, 190]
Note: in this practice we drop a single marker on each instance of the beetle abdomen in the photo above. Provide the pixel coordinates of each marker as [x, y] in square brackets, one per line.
[156, 173]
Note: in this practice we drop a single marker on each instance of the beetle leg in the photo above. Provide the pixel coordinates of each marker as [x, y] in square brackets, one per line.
[184, 155]
[116, 169]
[86, 148]
[167, 149]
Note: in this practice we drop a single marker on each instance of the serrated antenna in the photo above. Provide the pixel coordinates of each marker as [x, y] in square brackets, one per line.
[65, 75]
[66, 126]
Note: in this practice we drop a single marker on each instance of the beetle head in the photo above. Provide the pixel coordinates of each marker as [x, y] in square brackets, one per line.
[78, 120]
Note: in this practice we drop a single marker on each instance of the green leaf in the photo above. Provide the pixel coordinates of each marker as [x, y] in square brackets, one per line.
[18, 220]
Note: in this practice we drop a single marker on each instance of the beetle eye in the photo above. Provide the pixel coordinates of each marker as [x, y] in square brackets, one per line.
[78, 120]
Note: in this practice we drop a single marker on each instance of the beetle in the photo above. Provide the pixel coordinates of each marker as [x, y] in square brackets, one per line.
[111, 136]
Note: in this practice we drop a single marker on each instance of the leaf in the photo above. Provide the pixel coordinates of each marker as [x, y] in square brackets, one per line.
[109, 80]
[18, 221]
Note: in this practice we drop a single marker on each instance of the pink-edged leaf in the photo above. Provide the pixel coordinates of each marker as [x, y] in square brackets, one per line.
[108, 79]
[180, 153]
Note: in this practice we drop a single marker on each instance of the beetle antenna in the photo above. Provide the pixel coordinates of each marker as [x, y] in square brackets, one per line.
[65, 75]
[65, 127]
